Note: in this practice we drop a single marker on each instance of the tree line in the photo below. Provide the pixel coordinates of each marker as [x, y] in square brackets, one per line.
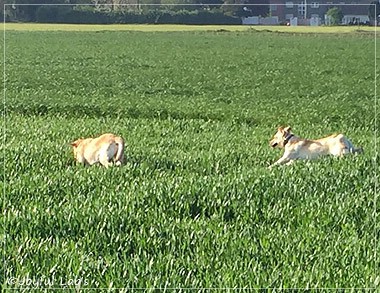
[146, 11]
[132, 11]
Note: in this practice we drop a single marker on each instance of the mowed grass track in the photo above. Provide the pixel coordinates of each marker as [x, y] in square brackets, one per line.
[176, 27]
[195, 206]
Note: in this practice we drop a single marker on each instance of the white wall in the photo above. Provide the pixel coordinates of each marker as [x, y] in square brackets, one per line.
[254, 20]
[348, 18]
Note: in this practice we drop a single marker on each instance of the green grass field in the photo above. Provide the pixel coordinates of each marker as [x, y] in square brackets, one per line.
[195, 206]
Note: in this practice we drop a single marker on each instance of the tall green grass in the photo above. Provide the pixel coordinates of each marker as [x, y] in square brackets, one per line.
[195, 205]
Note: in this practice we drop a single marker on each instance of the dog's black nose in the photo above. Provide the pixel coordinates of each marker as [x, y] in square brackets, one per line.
[274, 145]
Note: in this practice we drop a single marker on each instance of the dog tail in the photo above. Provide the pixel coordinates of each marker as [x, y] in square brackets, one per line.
[120, 151]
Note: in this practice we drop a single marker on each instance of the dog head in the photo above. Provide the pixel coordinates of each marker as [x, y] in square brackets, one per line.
[75, 145]
[280, 138]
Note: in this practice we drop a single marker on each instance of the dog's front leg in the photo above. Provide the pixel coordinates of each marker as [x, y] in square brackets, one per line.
[282, 160]
[289, 163]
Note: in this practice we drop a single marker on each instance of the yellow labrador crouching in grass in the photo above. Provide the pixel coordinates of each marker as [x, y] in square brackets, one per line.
[105, 149]
[298, 148]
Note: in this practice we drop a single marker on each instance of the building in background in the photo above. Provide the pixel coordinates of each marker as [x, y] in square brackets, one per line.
[313, 12]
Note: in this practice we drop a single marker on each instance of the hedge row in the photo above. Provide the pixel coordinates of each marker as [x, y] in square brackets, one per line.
[59, 14]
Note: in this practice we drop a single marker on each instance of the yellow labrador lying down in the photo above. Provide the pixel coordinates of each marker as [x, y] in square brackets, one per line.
[298, 148]
[103, 149]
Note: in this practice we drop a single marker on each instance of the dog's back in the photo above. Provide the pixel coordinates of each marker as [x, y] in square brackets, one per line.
[339, 145]
[103, 149]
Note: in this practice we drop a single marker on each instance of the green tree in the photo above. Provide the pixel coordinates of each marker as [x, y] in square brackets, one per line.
[230, 9]
[9, 11]
[27, 12]
[260, 7]
[182, 4]
[373, 9]
[335, 16]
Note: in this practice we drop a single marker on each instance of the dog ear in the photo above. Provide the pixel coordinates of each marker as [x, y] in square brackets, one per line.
[287, 129]
[75, 143]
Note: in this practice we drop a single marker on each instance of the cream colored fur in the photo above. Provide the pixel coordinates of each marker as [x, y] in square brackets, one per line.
[297, 148]
[107, 149]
